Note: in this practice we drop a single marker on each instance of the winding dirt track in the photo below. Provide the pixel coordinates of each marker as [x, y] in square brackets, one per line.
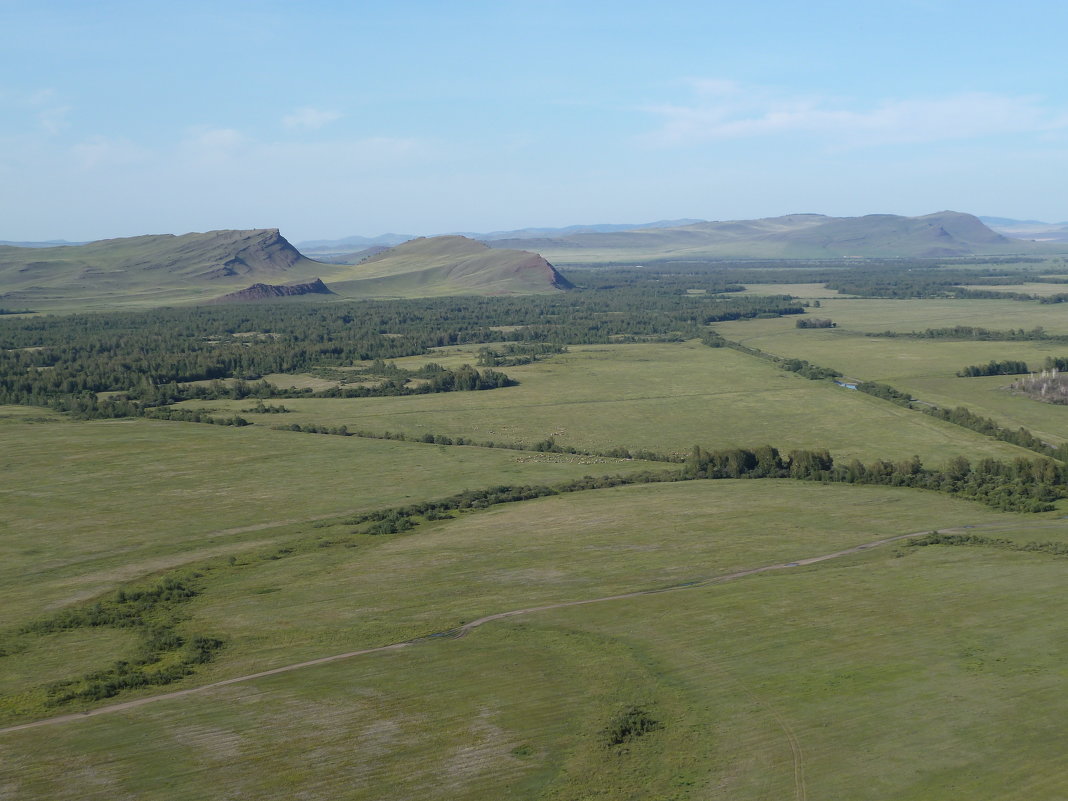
[464, 630]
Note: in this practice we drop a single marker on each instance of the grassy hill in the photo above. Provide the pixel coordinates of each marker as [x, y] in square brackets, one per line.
[449, 265]
[150, 270]
[162, 270]
[795, 236]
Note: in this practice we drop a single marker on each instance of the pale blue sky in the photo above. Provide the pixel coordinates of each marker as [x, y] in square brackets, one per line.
[327, 119]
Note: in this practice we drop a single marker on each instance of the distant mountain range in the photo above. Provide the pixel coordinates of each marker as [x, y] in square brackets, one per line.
[605, 228]
[202, 267]
[1029, 229]
[352, 244]
[51, 243]
[794, 236]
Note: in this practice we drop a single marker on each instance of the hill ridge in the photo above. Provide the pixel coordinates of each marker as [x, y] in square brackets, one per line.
[805, 236]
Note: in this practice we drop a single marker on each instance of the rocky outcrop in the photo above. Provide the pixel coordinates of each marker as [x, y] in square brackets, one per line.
[269, 291]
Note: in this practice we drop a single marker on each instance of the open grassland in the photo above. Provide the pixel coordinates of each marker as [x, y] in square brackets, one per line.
[89, 505]
[896, 672]
[899, 673]
[659, 397]
[878, 315]
[1037, 288]
[326, 589]
[574, 546]
[924, 367]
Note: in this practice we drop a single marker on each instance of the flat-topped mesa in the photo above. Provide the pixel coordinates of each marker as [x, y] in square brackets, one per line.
[269, 291]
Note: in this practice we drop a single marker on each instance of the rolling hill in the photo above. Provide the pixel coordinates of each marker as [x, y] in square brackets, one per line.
[148, 271]
[794, 236]
[449, 265]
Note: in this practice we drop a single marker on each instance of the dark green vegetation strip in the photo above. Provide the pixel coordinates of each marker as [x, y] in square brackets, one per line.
[977, 540]
[154, 612]
[994, 367]
[547, 445]
[64, 362]
[968, 332]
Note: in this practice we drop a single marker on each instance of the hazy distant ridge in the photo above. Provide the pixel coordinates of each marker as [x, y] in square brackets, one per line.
[793, 236]
[1029, 229]
[352, 243]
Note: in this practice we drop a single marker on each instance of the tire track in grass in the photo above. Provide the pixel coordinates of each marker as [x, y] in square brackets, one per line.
[466, 628]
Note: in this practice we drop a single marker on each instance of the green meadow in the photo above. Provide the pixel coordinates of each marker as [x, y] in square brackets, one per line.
[90, 505]
[659, 397]
[925, 367]
[638, 665]
[876, 314]
[798, 683]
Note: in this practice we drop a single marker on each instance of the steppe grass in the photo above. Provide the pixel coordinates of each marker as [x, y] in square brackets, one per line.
[877, 315]
[657, 397]
[560, 548]
[898, 673]
[924, 367]
[90, 505]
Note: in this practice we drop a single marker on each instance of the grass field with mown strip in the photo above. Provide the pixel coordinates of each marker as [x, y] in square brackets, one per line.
[90, 505]
[660, 397]
[899, 673]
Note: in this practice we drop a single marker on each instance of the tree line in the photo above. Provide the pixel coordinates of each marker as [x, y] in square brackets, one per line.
[64, 362]
[1006, 367]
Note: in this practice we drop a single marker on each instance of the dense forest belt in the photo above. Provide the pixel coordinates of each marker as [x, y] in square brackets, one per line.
[148, 359]
[466, 628]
